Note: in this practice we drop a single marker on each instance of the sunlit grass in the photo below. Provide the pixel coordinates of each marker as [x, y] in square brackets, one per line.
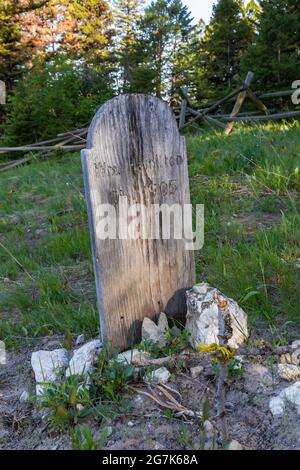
[249, 184]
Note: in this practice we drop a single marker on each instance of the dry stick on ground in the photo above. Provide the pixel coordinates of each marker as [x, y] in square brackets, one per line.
[189, 356]
[18, 262]
[224, 335]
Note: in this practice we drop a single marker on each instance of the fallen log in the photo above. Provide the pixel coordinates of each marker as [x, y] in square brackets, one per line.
[269, 117]
[214, 106]
[33, 148]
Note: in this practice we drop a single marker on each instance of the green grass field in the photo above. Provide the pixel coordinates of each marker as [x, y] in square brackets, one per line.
[249, 183]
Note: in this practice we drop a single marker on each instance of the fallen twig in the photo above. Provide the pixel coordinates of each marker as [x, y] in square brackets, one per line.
[224, 335]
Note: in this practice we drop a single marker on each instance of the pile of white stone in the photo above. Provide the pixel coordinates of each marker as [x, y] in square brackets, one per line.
[289, 370]
[51, 366]
[202, 325]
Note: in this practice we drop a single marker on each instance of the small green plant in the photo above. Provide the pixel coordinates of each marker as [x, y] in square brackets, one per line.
[83, 439]
[68, 402]
[110, 377]
[235, 367]
[215, 364]
[176, 341]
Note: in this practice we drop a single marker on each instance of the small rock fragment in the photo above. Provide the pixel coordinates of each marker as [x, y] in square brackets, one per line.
[132, 355]
[15, 219]
[289, 372]
[162, 322]
[292, 394]
[235, 445]
[80, 340]
[296, 354]
[84, 358]
[277, 406]
[24, 397]
[160, 376]
[152, 333]
[196, 371]
[48, 367]
[285, 359]
[208, 427]
[130, 424]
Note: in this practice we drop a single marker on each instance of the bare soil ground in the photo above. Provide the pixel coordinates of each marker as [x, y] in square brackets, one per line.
[147, 425]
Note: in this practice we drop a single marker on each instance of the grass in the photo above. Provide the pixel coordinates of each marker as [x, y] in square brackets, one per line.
[249, 183]
[46, 275]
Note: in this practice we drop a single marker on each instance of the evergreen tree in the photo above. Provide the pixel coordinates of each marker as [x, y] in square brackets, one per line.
[89, 30]
[165, 27]
[227, 38]
[127, 14]
[13, 53]
[275, 55]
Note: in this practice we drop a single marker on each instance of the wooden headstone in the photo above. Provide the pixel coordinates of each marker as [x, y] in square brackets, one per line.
[134, 150]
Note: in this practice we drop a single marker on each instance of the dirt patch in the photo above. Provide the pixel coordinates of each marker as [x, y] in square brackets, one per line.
[249, 223]
[147, 425]
[257, 220]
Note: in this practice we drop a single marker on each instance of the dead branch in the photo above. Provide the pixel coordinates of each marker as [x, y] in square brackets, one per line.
[190, 356]
[224, 335]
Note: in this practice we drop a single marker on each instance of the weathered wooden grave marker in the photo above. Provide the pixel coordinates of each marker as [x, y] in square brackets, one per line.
[134, 150]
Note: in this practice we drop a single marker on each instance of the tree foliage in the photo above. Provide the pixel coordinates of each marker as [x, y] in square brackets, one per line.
[274, 57]
[226, 39]
[51, 51]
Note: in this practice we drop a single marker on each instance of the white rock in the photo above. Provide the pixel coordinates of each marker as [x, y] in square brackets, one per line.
[131, 355]
[48, 367]
[152, 333]
[285, 359]
[80, 340]
[289, 372]
[296, 354]
[162, 322]
[277, 406]
[130, 424]
[196, 371]
[160, 376]
[202, 317]
[208, 427]
[84, 358]
[292, 394]
[24, 397]
[263, 374]
[235, 445]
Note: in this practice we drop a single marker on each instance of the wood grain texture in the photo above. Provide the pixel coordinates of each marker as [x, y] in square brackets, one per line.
[239, 103]
[134, 149]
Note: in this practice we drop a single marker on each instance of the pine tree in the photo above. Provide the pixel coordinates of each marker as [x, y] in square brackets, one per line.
[44, 29]
[89, 30]
[227, 38]
[165, 28]
[275, 55]
[127, 14]
[13, 53]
